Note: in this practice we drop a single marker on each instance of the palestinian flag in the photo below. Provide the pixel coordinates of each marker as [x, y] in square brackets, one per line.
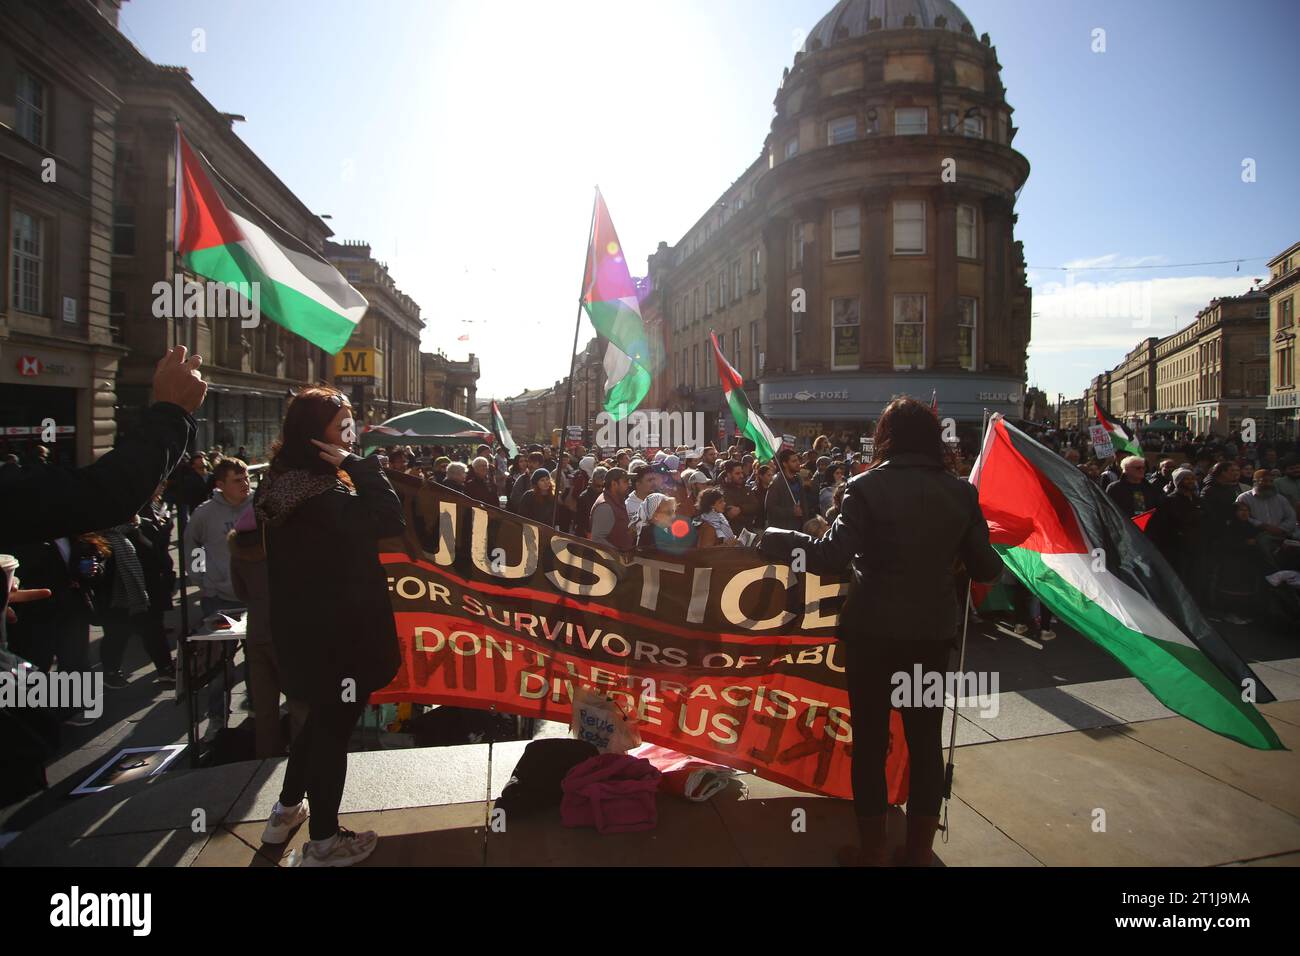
[748, 422]
[1120, 439]
[1096, 571]
[501, 431]
[223, 237]
[610, 297]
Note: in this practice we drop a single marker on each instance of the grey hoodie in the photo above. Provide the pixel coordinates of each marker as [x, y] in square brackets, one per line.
[207, 529]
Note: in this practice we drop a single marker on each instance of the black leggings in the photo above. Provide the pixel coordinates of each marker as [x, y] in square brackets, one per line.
[870, 666]
[318, 763]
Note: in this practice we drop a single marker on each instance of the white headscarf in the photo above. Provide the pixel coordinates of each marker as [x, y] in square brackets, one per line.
[647, 511]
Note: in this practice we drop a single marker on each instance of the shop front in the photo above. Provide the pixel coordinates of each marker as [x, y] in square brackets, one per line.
[845, 406]
[1284, 415]
[45, 399]
[235, 417]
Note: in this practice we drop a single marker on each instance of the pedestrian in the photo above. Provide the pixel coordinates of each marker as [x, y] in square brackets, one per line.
[539, 501]
[323, 511]
[478, 484]
[599, 475]
[784, 501]
[711, 521]
[905, 524]
[1131, 494]
[610, 522]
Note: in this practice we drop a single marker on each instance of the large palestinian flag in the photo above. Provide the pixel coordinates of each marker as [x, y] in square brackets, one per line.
[610, 297]
[504, 438]
[1091, 565]
[1120, 439]
[748, 422]
[223, 237]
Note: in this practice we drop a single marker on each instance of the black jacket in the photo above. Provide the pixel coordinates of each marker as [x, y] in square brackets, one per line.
[330, 613]
[50, 503]
[900, 529]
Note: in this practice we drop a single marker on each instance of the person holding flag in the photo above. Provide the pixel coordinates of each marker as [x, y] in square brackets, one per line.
[902, 527]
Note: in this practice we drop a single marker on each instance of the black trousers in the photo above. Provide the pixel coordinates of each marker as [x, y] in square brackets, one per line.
[318, 763]
[869, 669]
[118, 626]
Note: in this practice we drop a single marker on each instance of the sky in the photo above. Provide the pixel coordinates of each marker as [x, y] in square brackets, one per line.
[463, 140]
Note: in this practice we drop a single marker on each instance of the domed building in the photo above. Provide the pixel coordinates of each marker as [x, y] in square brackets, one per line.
[869, 250]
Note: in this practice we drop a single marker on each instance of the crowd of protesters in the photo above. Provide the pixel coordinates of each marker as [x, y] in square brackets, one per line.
[299, 552]
[1222, 511]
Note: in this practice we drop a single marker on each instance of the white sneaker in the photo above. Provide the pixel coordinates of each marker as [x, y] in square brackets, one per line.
[1046, 635]
[342, 849]
[283, 822]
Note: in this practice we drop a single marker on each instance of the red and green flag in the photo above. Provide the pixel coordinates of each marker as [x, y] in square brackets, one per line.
[748, 422]
[225, 238]
[1096, 571]
[610, 298]
[1120, 438]
[501, 431]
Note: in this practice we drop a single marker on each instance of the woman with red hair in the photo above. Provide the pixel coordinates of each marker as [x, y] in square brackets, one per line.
[321, 511]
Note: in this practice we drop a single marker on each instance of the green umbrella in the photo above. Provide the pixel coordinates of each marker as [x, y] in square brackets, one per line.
[426, 426]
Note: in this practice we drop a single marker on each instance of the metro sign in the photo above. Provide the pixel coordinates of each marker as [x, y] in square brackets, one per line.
[29, 366]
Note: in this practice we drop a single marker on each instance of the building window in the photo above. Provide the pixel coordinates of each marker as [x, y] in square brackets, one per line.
[735, 280]
[909, 227]
[695, 307]
[911, 121]
[796, 246]
[974, 127]
[735, 348]
[842, 130]
[792, 147]
[711, 297]
[1285, 377]
[846, 337]
[116, 314]
[29, 101]
[724, 290]
[1286, 312]
[123, 229]
[967, 237]
[755, 260]
[695, 366]
[28, 262]
[796, 332]
[967, 310]
[873, 122]
[753, 350]
[846, 237]
[909, 331]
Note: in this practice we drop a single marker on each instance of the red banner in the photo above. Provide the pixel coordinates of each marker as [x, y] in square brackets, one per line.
[718, 653]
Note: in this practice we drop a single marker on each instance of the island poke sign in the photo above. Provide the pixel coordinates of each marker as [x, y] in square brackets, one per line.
[29, 366]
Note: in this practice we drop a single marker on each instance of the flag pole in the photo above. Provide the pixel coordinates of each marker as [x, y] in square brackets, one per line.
[589, 272]
[961, 667]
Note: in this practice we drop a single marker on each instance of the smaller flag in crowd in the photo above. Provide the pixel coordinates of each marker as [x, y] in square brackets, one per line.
[502, 433]
[748, 422]
[1121, 439]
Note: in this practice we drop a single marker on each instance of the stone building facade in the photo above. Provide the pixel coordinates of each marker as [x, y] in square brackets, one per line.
[869, 250]
[1284, 367]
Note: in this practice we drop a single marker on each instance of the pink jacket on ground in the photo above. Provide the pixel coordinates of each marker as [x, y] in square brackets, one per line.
[614, 793]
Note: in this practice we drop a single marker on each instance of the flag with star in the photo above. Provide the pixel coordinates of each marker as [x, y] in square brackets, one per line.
[610, 299]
